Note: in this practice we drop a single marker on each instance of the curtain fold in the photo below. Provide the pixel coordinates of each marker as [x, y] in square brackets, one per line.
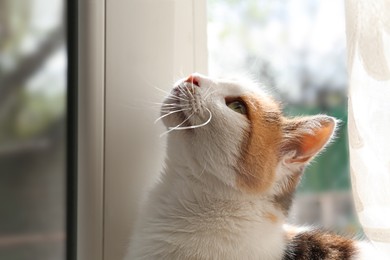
[368, 48]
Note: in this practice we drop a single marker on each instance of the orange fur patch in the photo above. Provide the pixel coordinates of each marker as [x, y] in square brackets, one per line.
[260, 151]
[271, 217]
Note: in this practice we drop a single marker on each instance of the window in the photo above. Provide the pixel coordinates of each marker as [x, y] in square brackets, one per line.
[33, 92]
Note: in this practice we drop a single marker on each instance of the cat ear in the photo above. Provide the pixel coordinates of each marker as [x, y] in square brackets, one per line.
[306, 136]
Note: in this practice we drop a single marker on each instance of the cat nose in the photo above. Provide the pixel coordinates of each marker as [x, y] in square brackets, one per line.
[194, 79]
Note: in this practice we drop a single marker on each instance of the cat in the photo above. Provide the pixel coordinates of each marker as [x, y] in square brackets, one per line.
[233, 164]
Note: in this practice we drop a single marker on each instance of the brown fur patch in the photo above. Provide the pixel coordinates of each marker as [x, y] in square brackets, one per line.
[319, 245]
[260, 151]
[284, 199]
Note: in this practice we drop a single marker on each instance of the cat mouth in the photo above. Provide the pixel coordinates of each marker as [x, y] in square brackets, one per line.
[184, 108]
[176, 117]
[177, 109]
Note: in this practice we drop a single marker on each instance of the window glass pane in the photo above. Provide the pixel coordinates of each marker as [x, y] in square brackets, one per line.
[295, 49]
[32, 129]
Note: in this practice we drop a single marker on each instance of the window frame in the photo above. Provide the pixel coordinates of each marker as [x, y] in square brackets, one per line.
[98, 183]
[71, 128]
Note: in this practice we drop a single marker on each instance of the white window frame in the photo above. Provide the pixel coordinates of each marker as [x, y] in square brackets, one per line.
[111, 35]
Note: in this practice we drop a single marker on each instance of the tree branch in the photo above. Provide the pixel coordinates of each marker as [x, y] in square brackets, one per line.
[29, 65]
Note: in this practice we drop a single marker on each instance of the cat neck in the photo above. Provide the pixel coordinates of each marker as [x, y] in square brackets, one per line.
[202, 188]
[198, 181]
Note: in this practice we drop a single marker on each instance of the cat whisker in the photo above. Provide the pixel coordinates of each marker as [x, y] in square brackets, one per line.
[193, 89]
[207, 91]
[160, 106]
[163, 91]
[170, 95]
[178, 126]
[195, 126]
[180, 87]
[168, 107]
[173, 105]
[204, 168]
[161, 103]
[189, 92]
[173, 97]
[170, 113]
[209, 94]
[168, 110]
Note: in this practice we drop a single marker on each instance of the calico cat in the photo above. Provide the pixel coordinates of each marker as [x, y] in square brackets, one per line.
[233, 164]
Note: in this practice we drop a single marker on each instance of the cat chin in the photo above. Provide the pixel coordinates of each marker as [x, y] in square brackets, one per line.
[175, 120]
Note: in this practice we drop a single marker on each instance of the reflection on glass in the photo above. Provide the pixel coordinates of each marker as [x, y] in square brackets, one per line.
[32, 129]
[295, 49]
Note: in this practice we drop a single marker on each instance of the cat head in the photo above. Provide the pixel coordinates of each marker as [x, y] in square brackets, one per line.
[236, 132]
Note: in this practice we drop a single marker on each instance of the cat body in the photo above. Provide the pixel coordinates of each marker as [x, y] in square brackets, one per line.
[233, 163]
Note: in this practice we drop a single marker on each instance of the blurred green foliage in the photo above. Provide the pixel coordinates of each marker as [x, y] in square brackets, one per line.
[38, 113]
[26, 112]
[31, 115]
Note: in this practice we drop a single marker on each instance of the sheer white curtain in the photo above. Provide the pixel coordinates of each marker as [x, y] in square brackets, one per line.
[368, 43]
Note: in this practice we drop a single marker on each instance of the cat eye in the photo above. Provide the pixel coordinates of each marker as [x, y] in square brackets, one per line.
[237, 106]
